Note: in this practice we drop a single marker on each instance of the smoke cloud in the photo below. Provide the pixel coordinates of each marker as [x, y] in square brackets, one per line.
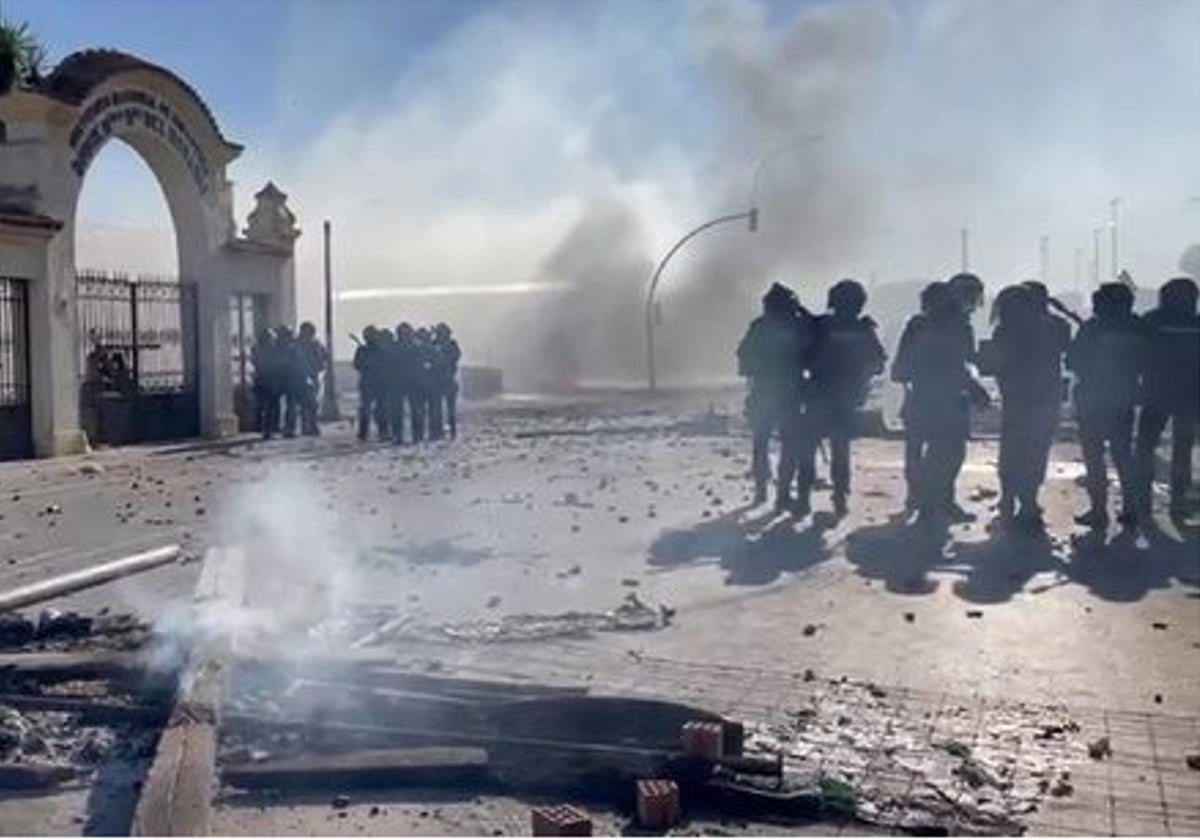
[573, 144]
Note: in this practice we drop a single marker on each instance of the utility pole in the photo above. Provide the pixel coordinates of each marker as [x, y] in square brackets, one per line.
[1096, 256]
[1112, 223]
[964, 246]
[1078, 271]
[1044, 259]
[329, 404]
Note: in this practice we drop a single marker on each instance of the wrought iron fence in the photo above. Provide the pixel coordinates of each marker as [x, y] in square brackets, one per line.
[14, 342]
[138, 352]
[161, 313]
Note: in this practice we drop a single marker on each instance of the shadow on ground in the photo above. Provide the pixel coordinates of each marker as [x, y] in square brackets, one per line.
[753, 551]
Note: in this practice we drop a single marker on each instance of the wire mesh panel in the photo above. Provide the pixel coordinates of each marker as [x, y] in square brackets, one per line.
[137, 357]
[15, 427]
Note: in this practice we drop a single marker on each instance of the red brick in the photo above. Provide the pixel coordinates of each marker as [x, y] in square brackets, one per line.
[657, 803]
[560, 821]
[704, 739]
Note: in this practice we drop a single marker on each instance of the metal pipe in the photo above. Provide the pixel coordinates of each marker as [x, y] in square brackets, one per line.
[329, 403]
[751, 215]
[45, 590]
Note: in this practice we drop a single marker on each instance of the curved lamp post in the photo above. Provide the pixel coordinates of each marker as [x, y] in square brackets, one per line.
[750, 215]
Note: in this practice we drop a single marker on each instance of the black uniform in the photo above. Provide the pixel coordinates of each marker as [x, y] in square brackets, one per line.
[369, 361]
[771, 355]
[1105, 358]
[846, 353]
[310, 358]
[402, 375]
[1026, 359]
[427, 421]
[1170, 390]
[268, 387]
[932, 361]
[445, 374]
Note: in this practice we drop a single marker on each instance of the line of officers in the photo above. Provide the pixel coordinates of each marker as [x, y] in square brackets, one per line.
[809, 375]
[287, 373]
[407, 373]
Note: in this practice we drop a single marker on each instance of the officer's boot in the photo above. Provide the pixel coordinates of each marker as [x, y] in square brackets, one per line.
[1097, 516]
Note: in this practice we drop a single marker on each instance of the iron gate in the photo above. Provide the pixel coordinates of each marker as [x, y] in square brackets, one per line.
[138, 354]
[16, 438]
[247, 315]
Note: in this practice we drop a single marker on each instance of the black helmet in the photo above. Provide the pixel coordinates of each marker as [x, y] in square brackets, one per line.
[935, 297]
[1179, 293]
[967, 289]
[848, 295]
[1013, 302]
[779, 298]
[1112, 299]
[1040, 294]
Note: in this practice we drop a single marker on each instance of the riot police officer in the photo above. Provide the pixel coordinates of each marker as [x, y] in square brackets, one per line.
[931, 362]
[771, 356]
[368, 358]
[1170, 390]
[1105, 358]
[1026, 359]
[265, 356]
[446, 357]
[311, 360]
[845, 355]
[402, 374]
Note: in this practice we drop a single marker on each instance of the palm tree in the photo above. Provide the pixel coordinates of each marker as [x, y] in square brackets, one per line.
[21, 55]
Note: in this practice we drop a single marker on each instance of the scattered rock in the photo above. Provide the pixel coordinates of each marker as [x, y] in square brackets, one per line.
[374, 812]
[1100, 749]
[90, 469]
[910, 617]
[341, 801]
[809, 676]
[1157, 698]
[1159, 625]
[493, 602]
[1193, 761]
[974, 613]
[630, 582]
[809, 629]
[1062, 788]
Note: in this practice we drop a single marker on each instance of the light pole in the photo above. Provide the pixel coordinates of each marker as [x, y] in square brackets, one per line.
[750, 215]
[1112, 224]
[329, 404]
[1096, 255]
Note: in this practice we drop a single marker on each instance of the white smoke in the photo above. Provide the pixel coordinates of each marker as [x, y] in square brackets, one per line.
[487, 152]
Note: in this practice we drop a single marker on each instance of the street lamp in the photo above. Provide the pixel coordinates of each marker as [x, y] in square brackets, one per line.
[1112, 224]
[751, 217]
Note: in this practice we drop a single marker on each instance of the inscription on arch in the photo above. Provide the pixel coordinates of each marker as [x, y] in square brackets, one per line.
[130, 109]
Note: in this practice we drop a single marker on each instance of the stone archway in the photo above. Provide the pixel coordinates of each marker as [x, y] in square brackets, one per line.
[53, 132]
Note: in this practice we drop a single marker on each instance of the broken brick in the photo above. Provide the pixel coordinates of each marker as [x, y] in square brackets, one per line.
[703, 738]
[657, 803]
[560, 821]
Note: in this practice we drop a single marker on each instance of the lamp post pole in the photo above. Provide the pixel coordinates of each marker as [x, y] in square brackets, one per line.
[1112, 222]
[750, 215]
[329, 404]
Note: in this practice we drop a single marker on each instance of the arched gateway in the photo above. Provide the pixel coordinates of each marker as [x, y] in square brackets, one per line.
[49, 135]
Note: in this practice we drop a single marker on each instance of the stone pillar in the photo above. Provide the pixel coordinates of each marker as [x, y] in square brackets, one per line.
[215, 381]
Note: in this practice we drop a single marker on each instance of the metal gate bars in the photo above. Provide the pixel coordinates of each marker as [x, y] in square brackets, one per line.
[16, 439]
[138, 352]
